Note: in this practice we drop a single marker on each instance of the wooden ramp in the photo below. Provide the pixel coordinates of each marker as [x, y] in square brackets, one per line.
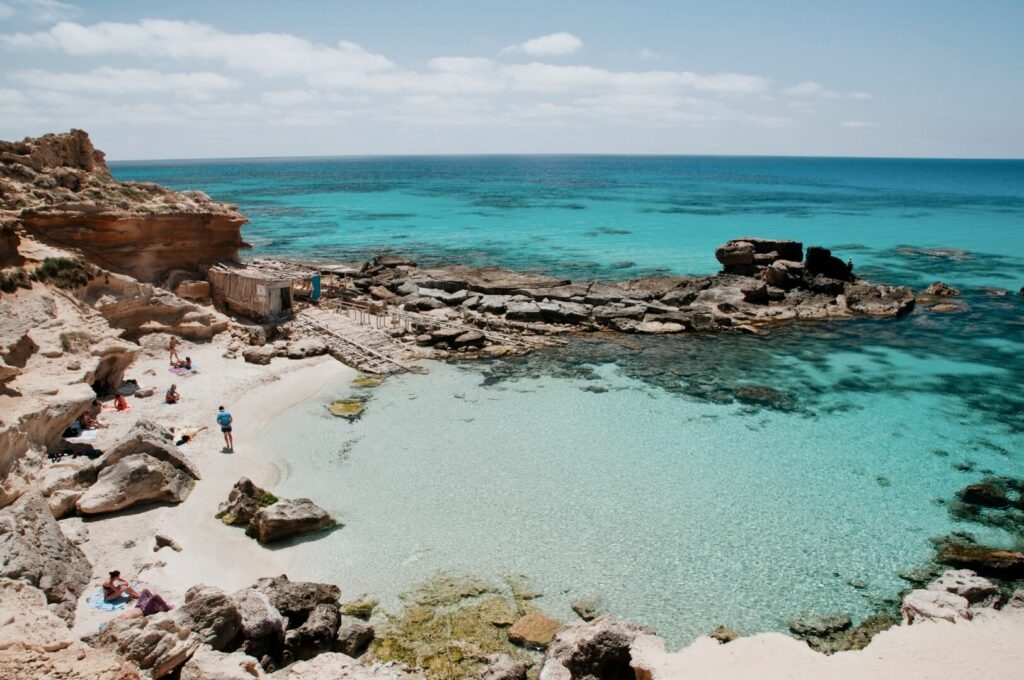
[365, 347]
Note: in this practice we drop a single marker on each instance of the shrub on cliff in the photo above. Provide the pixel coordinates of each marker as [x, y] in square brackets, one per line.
[64, 272]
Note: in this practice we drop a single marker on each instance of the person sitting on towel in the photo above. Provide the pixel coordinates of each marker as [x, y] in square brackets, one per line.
[120, 403]
[115, 587]
[172, 395]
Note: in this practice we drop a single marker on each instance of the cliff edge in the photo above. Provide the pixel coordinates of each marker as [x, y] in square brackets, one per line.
[58, 188]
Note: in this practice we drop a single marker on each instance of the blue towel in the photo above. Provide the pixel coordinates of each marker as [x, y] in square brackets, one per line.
[96, 601]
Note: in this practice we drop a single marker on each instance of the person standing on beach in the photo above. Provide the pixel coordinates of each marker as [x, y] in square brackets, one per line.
[174, 351]
[224, 419]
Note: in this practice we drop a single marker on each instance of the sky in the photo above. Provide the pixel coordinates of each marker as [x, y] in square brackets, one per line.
[227, 79]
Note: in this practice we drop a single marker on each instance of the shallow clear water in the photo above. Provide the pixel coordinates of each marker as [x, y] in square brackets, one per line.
[688, 481]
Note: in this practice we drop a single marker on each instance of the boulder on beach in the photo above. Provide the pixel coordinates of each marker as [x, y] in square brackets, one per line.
[316, 634]
[595, 649]
[244, 501]
[209, 664]
[932, 605]
[262, 626]
[353, 637]
[211, 614]
[296, 599]
[977, 590]
[134, 480]
[34, 549]
[503, 667]
[287, 518]
[156, 644]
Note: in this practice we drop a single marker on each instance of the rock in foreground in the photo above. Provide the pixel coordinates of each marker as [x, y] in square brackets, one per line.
[290, 517]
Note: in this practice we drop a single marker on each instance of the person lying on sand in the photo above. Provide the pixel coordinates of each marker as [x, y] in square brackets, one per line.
[188, 434]
[172, 395]
[115, 587]
[120, 403]
[148, 604]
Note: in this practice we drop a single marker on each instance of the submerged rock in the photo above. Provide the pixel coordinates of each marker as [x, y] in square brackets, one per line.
[347, 408]
[985, 494]
[287, 518]
[587, 608]
[819, 625]
[982, 559]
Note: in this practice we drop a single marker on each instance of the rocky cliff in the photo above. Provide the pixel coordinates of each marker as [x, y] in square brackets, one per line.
[58, 188]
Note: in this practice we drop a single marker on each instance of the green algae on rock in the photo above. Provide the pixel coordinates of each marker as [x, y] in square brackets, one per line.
[350, 409]
[449, 630]
[367, 381]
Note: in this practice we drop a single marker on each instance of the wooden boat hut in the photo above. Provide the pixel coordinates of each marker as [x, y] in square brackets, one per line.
[259, 295]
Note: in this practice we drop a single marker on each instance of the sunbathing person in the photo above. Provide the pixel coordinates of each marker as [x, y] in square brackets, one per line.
[115, 587]
[172, 395]
[120, 403]
[188, 434]
[88, 422]
[149, 603]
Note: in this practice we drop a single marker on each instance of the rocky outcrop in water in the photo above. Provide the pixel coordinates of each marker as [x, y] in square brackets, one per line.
[763, 281]
[58, 187]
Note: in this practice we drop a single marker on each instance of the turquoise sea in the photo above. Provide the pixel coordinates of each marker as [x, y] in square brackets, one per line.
[687, 481]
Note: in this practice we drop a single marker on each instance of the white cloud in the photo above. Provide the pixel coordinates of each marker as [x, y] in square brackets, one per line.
[6, 11]
[263, 54]
[647, 54]
[288, 98]
[551, 45]
[108, 80]
[183, 71]
[811, 89]
[857, 124]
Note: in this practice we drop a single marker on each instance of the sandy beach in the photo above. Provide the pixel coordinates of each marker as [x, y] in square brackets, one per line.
[212, 553]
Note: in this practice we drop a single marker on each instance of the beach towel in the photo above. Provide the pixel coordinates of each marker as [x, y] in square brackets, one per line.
[96, 601]
[86, 436]
[183, 372]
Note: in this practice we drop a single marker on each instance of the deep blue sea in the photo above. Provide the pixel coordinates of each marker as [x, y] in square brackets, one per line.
[642, 470]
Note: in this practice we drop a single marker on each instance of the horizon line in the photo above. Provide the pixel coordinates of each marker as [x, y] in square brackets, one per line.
[183, 159]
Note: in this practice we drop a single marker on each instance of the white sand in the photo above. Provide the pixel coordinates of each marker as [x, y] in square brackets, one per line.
[990, 646]
[213, 554]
